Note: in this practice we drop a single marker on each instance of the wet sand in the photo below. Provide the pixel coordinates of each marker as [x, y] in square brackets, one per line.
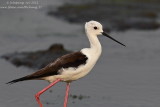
[123, 77]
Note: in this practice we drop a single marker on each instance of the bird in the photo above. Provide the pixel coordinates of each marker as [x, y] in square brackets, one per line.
[72, 66]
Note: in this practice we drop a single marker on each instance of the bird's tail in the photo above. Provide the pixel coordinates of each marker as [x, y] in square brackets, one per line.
[18, 80]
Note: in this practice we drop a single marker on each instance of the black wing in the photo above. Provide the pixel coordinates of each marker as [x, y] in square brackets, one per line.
[74, 59]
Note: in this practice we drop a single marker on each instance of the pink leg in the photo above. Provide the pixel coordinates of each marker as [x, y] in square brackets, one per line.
[42, 91]
[66, 96]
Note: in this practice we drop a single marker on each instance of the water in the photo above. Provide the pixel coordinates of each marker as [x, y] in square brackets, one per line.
[123, 77]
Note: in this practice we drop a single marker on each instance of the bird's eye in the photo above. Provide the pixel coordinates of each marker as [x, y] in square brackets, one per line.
[95, 28]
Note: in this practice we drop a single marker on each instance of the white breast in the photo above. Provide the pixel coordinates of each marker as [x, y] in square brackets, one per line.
[71, 74]
[81, 71]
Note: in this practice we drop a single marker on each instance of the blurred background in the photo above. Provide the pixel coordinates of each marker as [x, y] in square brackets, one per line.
[39, 32]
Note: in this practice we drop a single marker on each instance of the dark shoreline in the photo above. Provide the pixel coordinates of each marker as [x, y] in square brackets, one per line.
[37, 59]
[114, 16]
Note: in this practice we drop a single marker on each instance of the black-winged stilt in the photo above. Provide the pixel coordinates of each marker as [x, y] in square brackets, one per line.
[72, 66]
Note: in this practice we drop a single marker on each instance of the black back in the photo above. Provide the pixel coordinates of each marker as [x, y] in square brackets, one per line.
[74, 59]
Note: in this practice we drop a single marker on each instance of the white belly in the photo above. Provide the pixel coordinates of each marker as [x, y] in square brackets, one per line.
[81, 71]
[71, 74]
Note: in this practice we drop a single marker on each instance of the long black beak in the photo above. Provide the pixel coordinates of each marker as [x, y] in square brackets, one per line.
[105, 34]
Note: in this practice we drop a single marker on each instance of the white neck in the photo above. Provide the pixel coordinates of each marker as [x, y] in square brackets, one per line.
[95, 45]
[93, 53]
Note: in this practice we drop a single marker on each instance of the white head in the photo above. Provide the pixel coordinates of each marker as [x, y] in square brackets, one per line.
[94, 28]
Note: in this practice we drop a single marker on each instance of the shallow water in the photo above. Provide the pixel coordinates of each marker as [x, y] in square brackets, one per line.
[123, 77]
